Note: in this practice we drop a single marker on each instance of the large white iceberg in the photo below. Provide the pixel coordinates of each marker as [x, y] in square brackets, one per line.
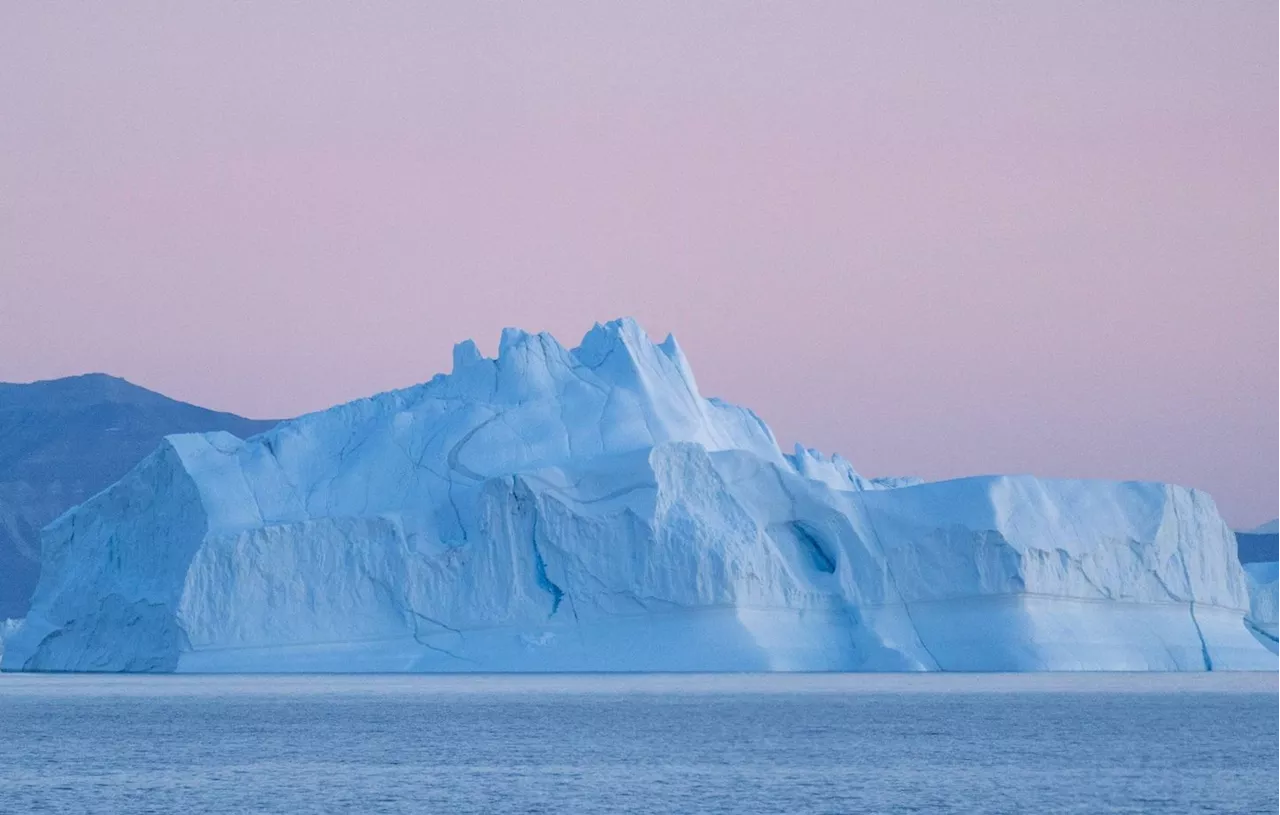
[587, 509]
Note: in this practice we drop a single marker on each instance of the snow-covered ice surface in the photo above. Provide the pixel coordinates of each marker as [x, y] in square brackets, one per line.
[587, 509]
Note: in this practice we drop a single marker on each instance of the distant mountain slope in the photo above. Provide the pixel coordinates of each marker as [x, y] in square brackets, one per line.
[1256, 547]
[63, 440]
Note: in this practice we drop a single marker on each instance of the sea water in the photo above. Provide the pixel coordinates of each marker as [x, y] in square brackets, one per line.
[822, 743]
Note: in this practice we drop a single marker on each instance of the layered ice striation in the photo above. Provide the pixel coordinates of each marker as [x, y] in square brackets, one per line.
[587, 509]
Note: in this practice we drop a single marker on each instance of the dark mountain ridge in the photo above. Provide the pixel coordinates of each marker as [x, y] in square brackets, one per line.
[62, 441]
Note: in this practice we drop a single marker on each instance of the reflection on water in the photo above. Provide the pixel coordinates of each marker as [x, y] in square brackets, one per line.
[640, 743]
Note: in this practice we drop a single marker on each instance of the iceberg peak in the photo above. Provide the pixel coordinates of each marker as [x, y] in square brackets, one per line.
[623, 337]
[465, 354]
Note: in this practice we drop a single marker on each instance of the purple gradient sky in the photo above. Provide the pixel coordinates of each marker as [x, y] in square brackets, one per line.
[942, 240]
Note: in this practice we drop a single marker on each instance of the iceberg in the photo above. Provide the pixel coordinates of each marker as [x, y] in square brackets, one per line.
[1264, 599]
[1257, 551]
[587, 509]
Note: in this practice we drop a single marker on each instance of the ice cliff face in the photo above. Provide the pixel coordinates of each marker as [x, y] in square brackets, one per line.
[587, 509]
[1261, 579]
[1257, 550]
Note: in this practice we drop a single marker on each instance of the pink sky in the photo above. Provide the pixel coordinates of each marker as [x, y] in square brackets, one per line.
[941, 239]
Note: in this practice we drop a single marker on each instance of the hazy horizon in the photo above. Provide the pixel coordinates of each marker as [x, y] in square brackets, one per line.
[940, 241]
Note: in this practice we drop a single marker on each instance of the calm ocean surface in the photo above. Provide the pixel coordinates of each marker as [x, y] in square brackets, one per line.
[649, 744]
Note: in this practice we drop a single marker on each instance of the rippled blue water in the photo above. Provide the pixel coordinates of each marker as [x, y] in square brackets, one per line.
[649, 744]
